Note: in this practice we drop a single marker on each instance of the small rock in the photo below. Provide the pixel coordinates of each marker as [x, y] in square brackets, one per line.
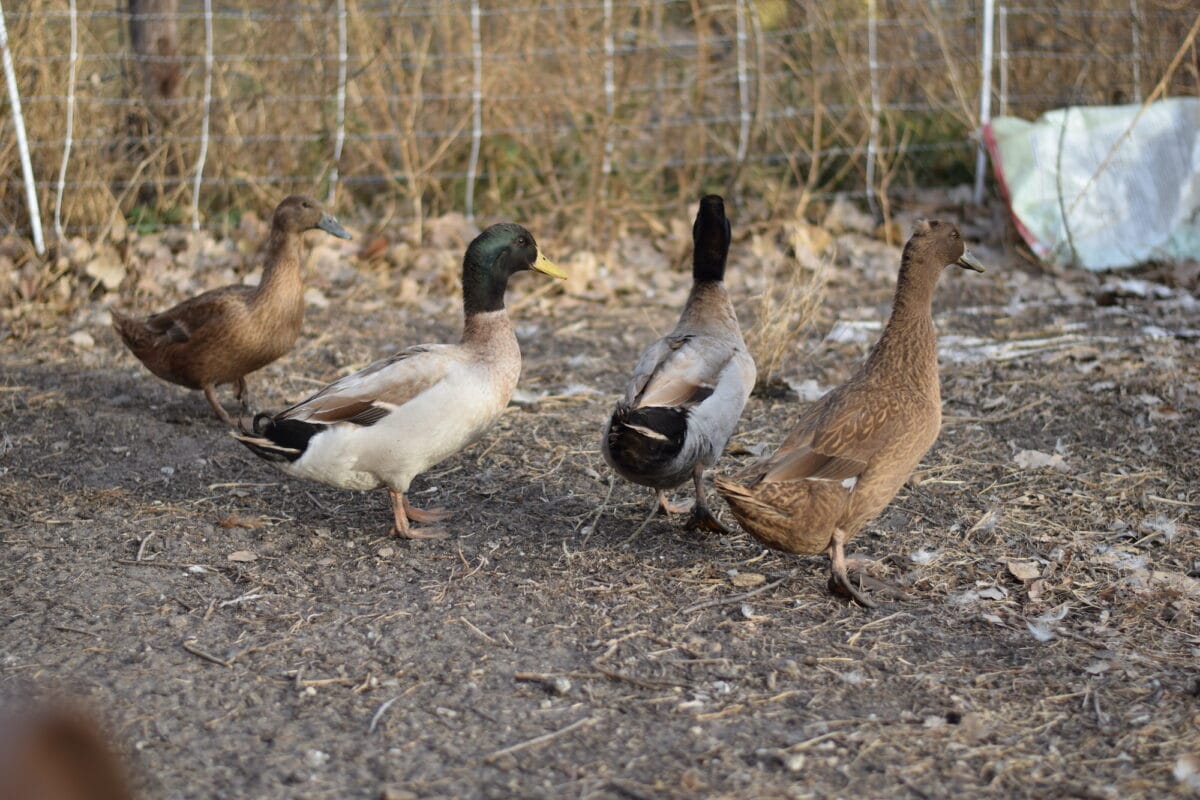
[82, 339]
[243, 556]
[793, 762]
[744, 580]
[315, 297]
[386, 552]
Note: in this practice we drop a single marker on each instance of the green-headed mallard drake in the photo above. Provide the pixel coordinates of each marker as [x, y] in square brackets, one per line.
[389, 422]
[223, 335]
[688, 390]
[855, 447]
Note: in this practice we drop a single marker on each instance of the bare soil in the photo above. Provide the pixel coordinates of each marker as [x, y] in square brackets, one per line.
[1047, 647]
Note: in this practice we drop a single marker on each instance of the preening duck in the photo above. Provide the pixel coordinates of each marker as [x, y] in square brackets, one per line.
[223, 335]
[854, 448]
[689, 387]
[389, 422]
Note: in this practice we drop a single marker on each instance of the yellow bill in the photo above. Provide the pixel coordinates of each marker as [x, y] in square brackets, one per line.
[548, 267]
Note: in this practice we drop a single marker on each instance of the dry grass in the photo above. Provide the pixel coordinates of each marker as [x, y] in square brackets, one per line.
[793, 292]
[674, 130]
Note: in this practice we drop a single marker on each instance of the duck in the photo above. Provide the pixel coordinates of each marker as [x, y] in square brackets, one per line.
[396, 418]
[853, 449]
[224, 334]
[52, 752]
[688, 389]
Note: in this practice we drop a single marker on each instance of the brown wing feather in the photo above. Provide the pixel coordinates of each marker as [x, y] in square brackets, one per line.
[368, 395]
[837, 437]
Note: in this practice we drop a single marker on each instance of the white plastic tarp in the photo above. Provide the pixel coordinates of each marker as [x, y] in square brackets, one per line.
[1125, 180]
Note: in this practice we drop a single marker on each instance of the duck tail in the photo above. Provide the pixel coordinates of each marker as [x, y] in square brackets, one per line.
[278, 440]
[754, 513]
[645, 440]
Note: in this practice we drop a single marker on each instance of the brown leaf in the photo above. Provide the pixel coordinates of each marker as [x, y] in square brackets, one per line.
[243, 556]
[744, 580]
[238, 521]
[1024, 570]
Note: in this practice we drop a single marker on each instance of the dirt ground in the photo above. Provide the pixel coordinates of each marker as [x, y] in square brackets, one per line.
[244, 634]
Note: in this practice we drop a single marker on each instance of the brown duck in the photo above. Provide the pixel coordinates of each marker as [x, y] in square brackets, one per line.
[223, 335]
[854, 448]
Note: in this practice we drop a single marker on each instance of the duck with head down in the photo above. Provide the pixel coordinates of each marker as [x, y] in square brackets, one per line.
[854, 448]
[391, 421]
[223, 335]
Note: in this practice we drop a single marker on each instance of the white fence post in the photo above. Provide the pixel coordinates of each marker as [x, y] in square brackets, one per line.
[873, 137]
[743, 85]
[14, 100]
[1136, 24]
[609, 88]
[67, 136]
[985, 97]
[476, 107]
[1003, 60]
[339, 136]
[208, 73]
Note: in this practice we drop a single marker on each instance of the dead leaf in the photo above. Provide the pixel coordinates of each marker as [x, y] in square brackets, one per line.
[744, 580]
[1036, 459]
[243, 556]
[1024, 570]
[238, 521]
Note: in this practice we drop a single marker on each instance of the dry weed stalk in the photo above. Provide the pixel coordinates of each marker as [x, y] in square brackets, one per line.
[792, 294]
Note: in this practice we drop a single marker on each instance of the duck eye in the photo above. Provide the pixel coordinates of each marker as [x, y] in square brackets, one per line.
[522, 241]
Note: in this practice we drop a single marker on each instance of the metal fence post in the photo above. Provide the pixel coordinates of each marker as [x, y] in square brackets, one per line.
[14, 100]
[208, 75]
[70, 127]
[476, 107]
[873, 135]
[985, 98]
[339, 136]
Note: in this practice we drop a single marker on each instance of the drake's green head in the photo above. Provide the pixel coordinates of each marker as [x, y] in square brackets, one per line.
[495, 256]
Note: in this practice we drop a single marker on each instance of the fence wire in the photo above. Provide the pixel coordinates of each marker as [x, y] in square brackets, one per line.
[177, 112]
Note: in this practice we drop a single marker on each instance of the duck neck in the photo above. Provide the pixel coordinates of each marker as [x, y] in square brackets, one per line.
[281, 273]
[908, 344]
[707, 304]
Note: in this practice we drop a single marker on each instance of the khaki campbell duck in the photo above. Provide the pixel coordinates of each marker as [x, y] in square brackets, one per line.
[391, 421]
[688, 390]
[855, 447]
[223, 335]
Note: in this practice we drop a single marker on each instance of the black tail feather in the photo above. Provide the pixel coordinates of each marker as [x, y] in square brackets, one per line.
[279, 440]
[646, 440]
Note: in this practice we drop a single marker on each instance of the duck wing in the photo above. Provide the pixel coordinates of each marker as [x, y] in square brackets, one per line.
[369, 395]
[836, 438]
[681, 370]
[182, 322]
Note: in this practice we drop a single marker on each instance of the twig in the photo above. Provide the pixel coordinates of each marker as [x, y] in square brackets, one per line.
[535, 741]
[642, 527]
[488, 638]
[142, 544]
[379, 713]
[69, 629]
[612, 481]
[737, 598]
[188, 644]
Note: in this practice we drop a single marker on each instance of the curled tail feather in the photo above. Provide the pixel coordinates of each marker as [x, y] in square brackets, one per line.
[278, 440]
[645, 440]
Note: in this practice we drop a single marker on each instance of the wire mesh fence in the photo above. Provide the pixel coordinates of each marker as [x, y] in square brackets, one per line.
[177, 112]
